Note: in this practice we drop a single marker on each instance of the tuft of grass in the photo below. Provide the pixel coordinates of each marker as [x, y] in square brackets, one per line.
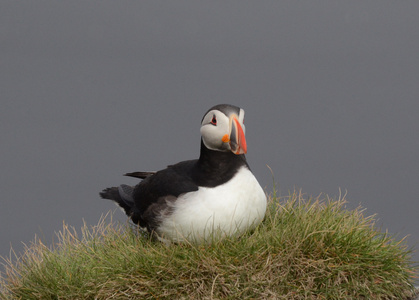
[304, 249]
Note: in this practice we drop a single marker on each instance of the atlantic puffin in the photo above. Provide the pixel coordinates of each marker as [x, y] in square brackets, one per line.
[197, 200]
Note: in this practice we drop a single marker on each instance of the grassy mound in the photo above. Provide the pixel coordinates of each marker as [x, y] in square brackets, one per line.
[304, 249]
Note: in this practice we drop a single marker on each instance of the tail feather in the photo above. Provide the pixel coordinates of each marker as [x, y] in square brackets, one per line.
[126, 192]
[124, 199]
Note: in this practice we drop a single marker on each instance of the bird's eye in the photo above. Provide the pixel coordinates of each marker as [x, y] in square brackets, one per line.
[214, 120]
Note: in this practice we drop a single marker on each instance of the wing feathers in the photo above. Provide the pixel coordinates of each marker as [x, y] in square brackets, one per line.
[141, 175]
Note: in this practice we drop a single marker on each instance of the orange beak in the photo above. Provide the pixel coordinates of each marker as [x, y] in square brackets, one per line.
[237, 138]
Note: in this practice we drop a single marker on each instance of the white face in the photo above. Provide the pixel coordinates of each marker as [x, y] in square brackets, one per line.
[216, 130]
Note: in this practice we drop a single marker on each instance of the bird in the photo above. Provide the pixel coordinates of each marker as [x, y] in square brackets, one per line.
[216, 195]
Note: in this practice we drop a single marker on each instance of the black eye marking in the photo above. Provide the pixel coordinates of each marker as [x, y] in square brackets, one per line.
[214, 120]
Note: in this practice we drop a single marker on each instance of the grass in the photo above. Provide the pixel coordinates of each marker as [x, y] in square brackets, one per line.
[304, 249]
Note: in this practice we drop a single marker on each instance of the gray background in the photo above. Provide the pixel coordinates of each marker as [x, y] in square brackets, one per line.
[91, 90]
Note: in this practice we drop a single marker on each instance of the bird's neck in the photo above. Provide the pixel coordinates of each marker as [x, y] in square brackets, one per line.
[216, 167]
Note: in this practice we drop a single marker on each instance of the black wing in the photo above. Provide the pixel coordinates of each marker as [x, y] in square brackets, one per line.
[151, 196]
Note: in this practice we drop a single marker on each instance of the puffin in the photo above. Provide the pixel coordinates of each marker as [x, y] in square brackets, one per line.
[198, 200]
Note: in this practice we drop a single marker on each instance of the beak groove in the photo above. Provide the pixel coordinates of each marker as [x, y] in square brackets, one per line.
[237, 138]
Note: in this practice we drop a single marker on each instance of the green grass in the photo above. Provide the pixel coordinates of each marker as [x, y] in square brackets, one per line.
[304, 249]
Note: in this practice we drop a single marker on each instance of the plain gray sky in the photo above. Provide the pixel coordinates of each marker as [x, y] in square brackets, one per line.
[91, 90]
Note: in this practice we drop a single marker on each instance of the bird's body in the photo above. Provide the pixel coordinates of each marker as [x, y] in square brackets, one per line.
[227, 209]
[197, 200]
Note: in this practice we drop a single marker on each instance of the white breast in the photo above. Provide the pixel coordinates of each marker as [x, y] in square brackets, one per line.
[228, 209]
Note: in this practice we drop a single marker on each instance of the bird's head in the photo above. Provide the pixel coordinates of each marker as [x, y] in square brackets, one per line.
[222, 129]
